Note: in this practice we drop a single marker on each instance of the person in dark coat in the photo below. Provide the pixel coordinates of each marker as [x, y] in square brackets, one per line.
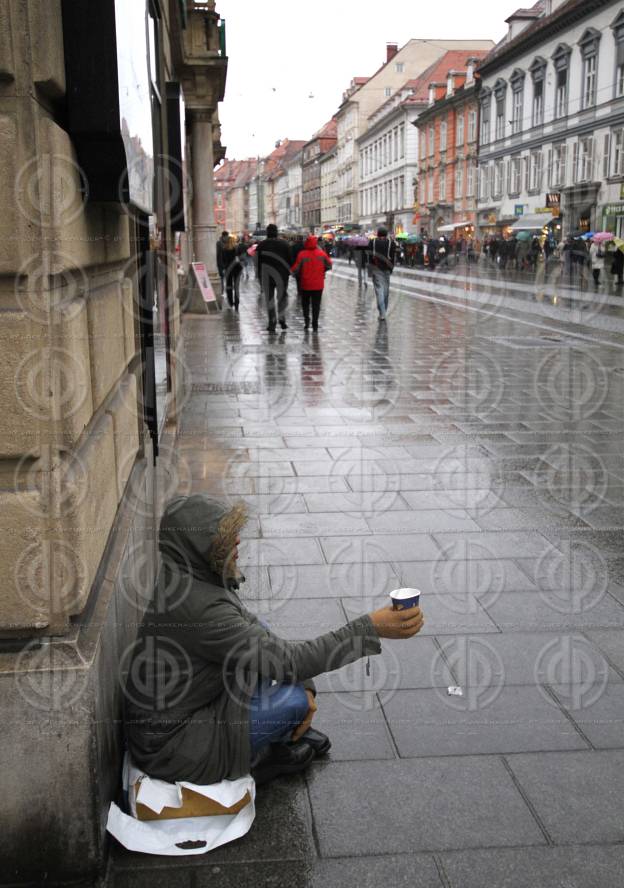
[296, 248]
[361, 263]
[221, 244]
[273, 257]
[210, 693]
[382, 253]
[617, 266]
[310, 269]
[233, 269]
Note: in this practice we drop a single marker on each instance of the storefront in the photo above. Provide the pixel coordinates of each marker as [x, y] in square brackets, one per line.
[578, 207]
[613, 218]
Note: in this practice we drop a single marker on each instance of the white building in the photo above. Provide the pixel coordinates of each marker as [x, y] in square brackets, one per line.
[288, 186]
[329, 209]
[552, 120]
[388, 153]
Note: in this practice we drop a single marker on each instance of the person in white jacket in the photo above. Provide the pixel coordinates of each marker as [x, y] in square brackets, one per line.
[597, 258]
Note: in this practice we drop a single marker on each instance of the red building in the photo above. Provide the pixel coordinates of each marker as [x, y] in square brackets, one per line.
[448, 139]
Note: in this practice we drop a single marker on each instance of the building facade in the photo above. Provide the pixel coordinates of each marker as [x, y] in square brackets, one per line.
[551, 154]
[321, 142]
[107, 197]
[448, 141]
[365, 95]
[329, 214]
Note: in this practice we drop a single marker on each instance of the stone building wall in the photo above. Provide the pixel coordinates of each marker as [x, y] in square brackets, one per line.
[80, 490]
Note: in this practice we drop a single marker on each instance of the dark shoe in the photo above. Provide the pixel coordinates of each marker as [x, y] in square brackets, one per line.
[315, 328]
[281, 758]
[320, 743]
[271, 328]
[283, 325]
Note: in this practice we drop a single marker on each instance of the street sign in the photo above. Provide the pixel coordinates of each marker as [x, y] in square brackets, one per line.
[519, 210]
[203, 281]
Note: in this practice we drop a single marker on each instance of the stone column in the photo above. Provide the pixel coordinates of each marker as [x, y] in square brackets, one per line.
[204, 227]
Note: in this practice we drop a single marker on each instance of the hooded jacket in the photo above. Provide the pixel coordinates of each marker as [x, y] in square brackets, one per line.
[311, 265]
[200, 653]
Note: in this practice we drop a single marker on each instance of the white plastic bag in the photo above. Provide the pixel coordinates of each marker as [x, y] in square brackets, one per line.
[165, 836]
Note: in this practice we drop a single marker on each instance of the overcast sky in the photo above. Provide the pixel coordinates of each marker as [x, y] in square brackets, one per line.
[282, 52]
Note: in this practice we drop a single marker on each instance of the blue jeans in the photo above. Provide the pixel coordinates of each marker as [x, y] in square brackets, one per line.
[274, 712]
[381, 283]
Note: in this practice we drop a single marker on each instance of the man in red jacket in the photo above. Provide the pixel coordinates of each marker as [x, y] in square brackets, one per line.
[310, 268]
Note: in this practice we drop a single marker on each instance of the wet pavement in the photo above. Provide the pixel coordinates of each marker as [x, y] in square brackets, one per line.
[472, 446]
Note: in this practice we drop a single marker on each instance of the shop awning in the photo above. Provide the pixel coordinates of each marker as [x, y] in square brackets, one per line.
[532, 222]
[454, 225]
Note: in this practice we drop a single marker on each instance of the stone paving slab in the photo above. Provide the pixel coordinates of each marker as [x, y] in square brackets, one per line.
[358, 732]
[461, 577]
[597, 709]
[519, 719]
[413, 663]
[578, 796]
[361, 808]
[365, 581]
[589, 866]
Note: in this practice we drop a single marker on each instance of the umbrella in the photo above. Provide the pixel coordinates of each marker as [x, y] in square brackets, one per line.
[524, 235]
[402, 235]
[619, 243]
[602, 236]
[358, 241]
[413, 239]
[587, 236]
[252, 250]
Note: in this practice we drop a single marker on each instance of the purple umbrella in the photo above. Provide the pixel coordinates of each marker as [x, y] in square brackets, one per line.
[602, 236]
[358, 241]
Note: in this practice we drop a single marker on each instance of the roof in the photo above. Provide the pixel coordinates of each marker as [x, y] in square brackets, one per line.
[286, 151]
[453, 60]
[530, 13]
[329, 130]
[230, 170]
[540, 29]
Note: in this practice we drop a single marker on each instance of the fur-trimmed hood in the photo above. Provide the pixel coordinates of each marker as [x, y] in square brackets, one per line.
[198, 533]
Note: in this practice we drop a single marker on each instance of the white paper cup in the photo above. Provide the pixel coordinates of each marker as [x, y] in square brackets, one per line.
[405, 598]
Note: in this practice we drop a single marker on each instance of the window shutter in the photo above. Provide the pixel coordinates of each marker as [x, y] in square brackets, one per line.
[606, 151]
[539, 176]
[549, 174]
[592, 159]
[575, 157]
[563, 177]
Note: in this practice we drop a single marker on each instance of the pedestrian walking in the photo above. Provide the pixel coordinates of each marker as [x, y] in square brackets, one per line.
[295, 249]
[597, 259]
[273, 257]
[382, 253]
[233, 269]
[617, 266]
[310, 267]
[221, 244]
[361, 263]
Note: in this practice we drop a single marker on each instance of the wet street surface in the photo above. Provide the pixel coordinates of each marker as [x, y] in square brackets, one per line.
[473, 447]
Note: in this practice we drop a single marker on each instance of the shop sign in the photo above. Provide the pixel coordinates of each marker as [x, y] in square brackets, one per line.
[519, 210]
[203, 281]
[553, 200]
[616, 209]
